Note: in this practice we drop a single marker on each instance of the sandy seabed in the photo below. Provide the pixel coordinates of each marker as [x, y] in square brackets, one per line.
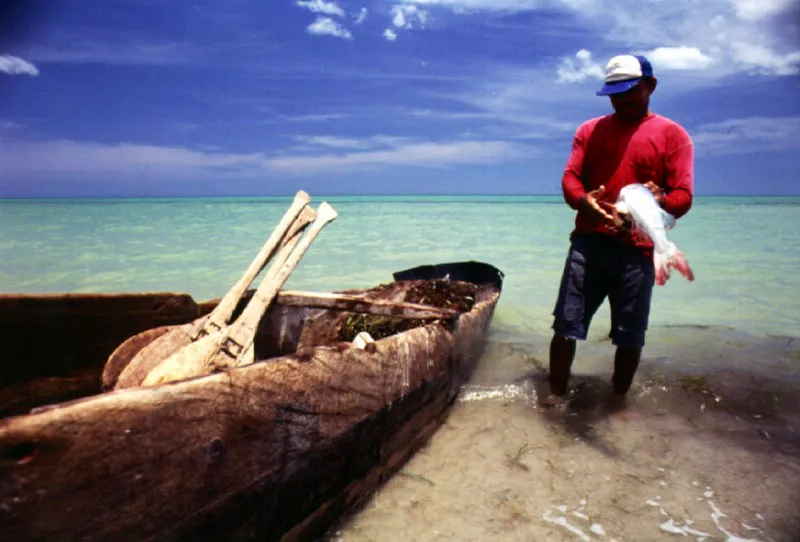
[709, 449]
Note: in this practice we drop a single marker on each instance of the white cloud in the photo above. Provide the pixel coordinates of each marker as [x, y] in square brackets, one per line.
[472, 6]
[14, 65]
[451, 115]
[60, 159]
[744, 9]
[105, 47]
[317, 117]
[524, 96]
[579, 69]
[753, 10]
[10, 125]
[325, 26]
[699, 35]
[406, 16]
[66, 157]
[747, 135]
[389, 141]
[323, 7]
[332, 141]
[678, 58]
[683, 34]
[411, 154]
[713, 38]
[760, 59]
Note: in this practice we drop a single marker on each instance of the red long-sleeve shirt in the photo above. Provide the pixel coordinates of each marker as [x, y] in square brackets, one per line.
[608, 151]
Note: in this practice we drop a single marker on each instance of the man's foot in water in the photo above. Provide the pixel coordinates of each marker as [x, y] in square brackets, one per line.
[616, 402]
[618, 406]
[554, 401]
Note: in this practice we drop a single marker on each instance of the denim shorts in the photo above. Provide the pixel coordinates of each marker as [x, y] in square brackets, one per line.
[597, 267]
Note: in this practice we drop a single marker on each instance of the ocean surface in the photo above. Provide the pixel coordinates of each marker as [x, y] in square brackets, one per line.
[710, 446]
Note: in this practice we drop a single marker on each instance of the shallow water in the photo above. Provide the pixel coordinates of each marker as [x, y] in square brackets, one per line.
[701, 452]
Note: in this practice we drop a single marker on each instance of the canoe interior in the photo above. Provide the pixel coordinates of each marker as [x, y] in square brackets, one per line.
[56, 345]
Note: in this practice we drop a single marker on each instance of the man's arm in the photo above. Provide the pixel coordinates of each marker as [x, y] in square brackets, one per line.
[679, 177]
[571, 183]
[575, 192]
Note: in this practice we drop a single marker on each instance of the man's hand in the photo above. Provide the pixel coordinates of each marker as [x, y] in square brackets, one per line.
[657, 192]
[599, 211]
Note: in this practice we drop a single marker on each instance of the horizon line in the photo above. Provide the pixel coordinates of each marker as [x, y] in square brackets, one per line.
[410, 194]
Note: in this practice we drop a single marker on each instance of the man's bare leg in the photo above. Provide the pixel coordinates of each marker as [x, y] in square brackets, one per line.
[562, 354]
[626, 361]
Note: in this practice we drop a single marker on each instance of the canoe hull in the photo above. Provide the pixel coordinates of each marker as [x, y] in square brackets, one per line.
[276, 450]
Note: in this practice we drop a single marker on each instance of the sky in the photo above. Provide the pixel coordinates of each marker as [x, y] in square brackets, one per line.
[160, 98]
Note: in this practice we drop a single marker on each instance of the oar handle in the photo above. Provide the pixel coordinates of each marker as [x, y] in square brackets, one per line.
[222, 313]
[242, 331]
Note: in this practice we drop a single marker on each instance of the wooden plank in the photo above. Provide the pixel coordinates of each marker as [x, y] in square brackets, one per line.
[362, 305]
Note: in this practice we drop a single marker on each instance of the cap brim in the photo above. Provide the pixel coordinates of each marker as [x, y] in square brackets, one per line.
[617, 87]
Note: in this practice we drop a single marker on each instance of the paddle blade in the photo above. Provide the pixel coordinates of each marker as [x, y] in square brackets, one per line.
[154, 353]
[121, 357]
[193, 360]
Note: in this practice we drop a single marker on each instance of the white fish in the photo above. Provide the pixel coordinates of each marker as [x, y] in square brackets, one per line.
[653, 221]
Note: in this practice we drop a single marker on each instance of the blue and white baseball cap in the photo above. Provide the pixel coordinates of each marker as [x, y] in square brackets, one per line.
[623, 72]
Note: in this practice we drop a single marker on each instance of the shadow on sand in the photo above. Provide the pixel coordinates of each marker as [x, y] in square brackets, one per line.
[590, 401]
[759, 414]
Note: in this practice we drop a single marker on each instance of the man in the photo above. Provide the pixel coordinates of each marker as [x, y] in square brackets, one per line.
[606, 258]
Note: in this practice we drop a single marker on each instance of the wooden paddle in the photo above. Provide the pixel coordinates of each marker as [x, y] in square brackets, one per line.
[122, 355]
[233, 345]
[160, 345]
[219, 317]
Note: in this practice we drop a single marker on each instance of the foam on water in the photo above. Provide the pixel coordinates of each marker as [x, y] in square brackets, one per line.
[506, 392]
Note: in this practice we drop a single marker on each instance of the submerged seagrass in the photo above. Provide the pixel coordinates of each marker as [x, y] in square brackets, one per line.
[275, 450]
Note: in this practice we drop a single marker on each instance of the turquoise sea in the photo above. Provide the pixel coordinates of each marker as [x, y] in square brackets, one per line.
[744, 251]
[716, 445]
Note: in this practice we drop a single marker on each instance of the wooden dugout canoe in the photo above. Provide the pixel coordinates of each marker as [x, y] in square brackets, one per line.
[277, 450]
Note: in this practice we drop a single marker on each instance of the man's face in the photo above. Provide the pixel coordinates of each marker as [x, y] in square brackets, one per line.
[633, 103]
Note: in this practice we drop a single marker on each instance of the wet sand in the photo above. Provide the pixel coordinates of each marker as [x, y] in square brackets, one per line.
[707, 449]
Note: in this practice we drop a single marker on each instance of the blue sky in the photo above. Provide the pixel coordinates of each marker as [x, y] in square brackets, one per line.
[265, 97]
